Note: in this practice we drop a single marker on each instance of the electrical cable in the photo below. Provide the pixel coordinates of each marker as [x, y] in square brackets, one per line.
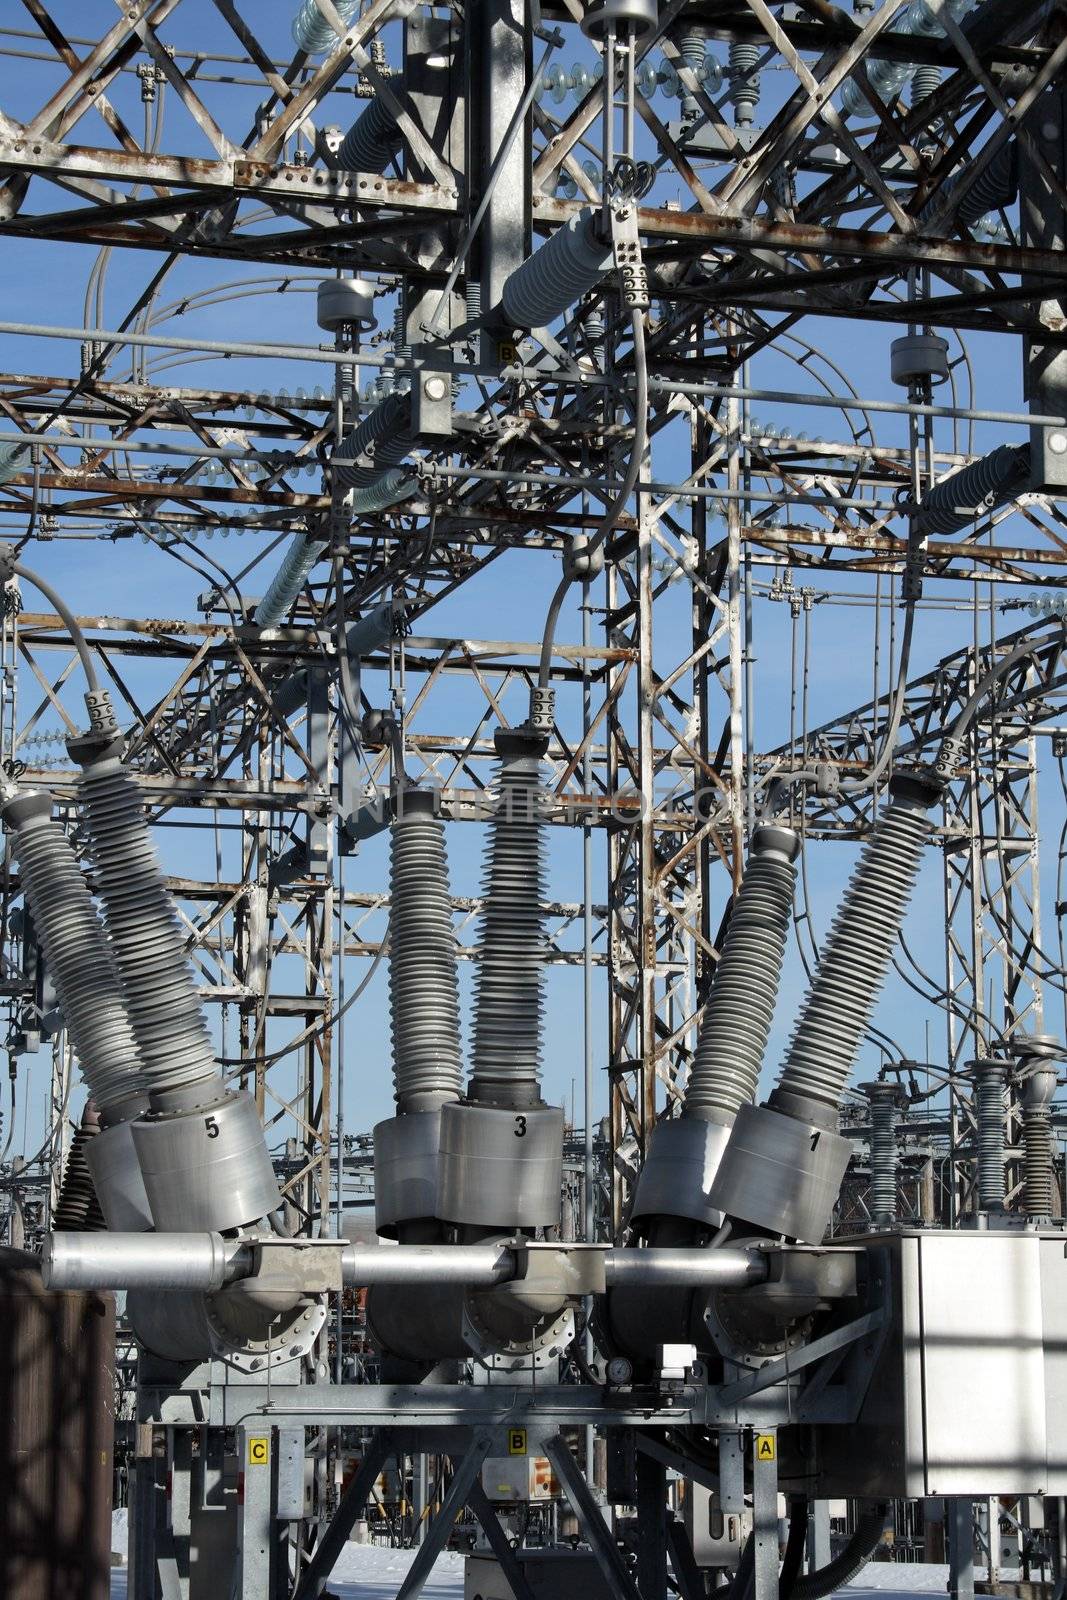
[608, 521]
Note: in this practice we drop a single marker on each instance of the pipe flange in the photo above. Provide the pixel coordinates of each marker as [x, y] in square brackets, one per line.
[302, 1326]
[500, 1355]
[749, 1340]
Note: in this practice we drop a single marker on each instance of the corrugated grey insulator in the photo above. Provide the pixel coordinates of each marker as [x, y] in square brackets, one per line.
[312, 33]
[744, 81]
[989, 1080]
[157, 982]
[1037, 1139]
[423, 985]
[396, 484]
[371, 142]
[692, 49]
[925, 82]
[997, 186]
[289, 579]
[381, 440]
[740, 1005]
[472, 295]
[77, 957]
[956, 502]
[856, 955]
[77, 1209]
[883, 1099]
[567, 266]
[507, 1026]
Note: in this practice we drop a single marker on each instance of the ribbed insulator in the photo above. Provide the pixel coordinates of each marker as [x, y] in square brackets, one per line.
[855, 958]
[1037, 1161]
[994, 188]
[883, 1201]
[507, 1026]
[740, 1005]
[472, 295]
[925, 82]
[312, 33]
[744, 80]
[289, 580]
[989, 1078]
[78, 961]
[12, 460]
[371, 142]
[157, 982]
[567, 266]
[692, 49]
[396, 484]
[381, 440]
[77, 1210]
[981, 487]
[423, 984]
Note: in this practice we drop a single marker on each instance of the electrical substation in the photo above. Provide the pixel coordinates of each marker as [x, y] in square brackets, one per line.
[533, 777]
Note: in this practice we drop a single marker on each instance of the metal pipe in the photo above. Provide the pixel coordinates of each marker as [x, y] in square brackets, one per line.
[204, 1262]
[724, 1268]
[177, 1261]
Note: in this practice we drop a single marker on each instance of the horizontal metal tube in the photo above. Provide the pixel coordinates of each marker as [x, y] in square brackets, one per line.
[685, 1269]
[477, 1266]
[207, 1261]
[143, 1260]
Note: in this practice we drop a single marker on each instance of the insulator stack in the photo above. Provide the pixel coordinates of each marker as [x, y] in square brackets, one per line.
[371, 142]
[925, 82]
[423, 984]
[78, 1210]
[507, 1030]
[312, 33]
[157, 983]
[856, 955]
[1037, 1053]
[740, 1005]
[883, 1099]
[692, 48]
[989, 1080]
[981, 487]
[77, 956]
[568, 265]
[744, 81]
[380, 441]
[289, 580]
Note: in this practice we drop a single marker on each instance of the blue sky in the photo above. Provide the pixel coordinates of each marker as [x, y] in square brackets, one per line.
[46, 283]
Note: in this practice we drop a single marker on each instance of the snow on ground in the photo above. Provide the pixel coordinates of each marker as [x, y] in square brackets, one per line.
[366, 1572]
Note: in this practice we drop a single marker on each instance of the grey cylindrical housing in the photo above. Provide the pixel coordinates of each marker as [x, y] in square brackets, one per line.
[781, 1174]
[474, 1266]
[116, 1175]
[565, 267]
[372, 141]
[157, 982]
[722, 1268]
[207, 1169]
[508, 1017]
[500, 1168]
[406, 1162]
[856, 956]
[157, 1261]
[739, 1009]
[675, 1181]
[423, 982]
[345, 302]
[78, 959]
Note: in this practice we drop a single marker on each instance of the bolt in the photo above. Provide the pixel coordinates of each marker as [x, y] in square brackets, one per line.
[1057, 443]
[434, 388]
